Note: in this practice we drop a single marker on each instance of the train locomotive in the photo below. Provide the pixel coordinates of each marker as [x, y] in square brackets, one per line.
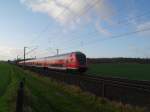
[75, 61]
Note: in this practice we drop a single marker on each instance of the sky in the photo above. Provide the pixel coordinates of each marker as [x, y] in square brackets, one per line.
[98, 28]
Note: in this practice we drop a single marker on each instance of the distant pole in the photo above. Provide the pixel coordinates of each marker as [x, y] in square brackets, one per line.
[57, 51]
[17, 58]
[24, 55]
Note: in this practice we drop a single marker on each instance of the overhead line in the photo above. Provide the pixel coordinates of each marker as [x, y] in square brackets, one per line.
[87, 9]
[32, 50]
[120, 22]
[127, 19]
[131, 18]
[47, 26]
[90, 6]
[117, 36]
[45, 29]
[122, 35]
[39, 35]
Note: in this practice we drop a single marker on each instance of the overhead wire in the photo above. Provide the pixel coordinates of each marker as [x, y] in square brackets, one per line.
[132, 18]
[47, 26]
[32, 50]
[116, 36]
[88, 8]
[124, 22]
[120, 22]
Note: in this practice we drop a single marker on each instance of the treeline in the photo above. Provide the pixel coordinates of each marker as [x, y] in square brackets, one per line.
[119, 60]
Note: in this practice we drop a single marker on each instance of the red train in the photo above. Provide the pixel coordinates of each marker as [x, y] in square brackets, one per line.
[70, 61]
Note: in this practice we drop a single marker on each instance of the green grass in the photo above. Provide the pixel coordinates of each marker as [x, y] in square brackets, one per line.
[4, 78]
[130, 71]
[8, 87]
[46, 95]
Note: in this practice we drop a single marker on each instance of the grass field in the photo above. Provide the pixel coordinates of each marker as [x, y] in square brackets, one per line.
[130, 71]
[8, 87]
[46, 95]
[5, 78]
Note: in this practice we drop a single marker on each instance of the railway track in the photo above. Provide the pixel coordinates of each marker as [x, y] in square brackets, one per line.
[123, 90]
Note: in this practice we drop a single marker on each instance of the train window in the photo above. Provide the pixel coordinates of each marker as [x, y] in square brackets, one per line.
[81, 58]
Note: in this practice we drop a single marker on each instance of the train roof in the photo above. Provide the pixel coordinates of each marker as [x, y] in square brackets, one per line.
[77, 52]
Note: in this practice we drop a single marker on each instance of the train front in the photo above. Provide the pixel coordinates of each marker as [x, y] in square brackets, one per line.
[77, 61]
[81, 61]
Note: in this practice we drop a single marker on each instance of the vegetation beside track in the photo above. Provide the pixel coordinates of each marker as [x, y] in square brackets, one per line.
[43, 94]
[123, 70]
[8, 88]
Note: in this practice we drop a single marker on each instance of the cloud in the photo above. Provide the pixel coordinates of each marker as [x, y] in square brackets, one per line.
[9, 52]
[72, 11]
[102, 30]
[142, 26]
